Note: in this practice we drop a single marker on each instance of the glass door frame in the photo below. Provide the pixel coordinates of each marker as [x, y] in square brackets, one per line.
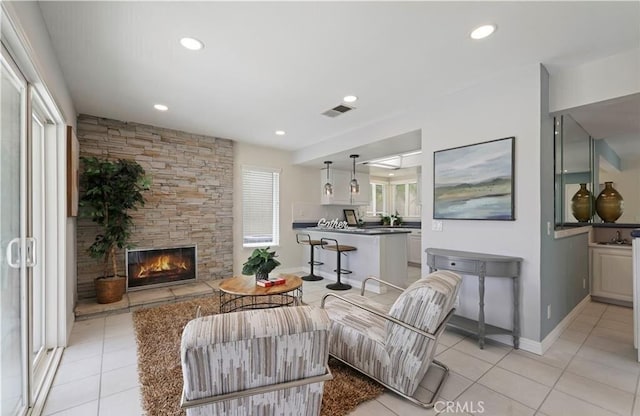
[58, 293]
[18, 78]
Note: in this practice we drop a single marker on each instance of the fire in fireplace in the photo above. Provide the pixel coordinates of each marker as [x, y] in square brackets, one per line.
[160, 266]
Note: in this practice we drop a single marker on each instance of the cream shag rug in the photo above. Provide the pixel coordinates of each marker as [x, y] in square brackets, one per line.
[158, 333]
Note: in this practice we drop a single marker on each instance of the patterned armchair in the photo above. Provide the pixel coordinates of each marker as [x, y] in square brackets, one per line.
[395, 346]
[258, 362]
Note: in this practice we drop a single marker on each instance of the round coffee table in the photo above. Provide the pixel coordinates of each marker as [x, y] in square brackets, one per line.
[241, 293]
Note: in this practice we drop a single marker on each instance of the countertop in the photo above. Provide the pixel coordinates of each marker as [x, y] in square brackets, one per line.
[363, 231]
[415, 225]
[614, 246]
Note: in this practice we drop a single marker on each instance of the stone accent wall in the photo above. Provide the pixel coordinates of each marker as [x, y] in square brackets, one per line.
[190, 200]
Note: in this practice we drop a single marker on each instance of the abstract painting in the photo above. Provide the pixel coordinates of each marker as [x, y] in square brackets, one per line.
[475, 182]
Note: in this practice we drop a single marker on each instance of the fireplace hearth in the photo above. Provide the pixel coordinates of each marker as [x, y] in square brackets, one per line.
[155, 267]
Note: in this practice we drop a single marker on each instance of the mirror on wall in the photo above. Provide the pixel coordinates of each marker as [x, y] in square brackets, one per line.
[574, 201]
[622, 170]
[615, 130]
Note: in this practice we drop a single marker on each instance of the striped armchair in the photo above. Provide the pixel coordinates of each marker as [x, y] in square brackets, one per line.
[258, 362]
[395, 346]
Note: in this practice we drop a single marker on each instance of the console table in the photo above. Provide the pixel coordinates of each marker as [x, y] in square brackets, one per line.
[481, 265]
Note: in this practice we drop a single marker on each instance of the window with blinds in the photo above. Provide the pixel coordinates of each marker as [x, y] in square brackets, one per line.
[260, 207]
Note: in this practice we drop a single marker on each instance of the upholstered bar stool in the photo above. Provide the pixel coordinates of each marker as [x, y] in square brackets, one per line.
[305, 239]
[339, 249]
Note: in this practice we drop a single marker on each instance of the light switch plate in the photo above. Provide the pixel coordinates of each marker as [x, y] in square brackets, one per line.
[436, 225]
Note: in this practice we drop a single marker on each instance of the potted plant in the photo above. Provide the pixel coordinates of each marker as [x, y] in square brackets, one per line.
[111, 189]
[261, 263]
[395, 219]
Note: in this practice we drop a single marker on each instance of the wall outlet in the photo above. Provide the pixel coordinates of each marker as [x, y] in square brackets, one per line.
[584, 283]
[548, 228]
[436, 225]
[548, 311]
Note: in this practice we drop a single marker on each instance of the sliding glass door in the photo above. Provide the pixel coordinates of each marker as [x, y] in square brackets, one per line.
[38, 302]
[26, 332]
[13, 290]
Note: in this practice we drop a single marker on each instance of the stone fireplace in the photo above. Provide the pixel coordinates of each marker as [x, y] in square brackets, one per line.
[190, 201]
[156, 267]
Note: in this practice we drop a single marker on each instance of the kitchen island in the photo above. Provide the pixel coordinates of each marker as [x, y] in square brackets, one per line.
[381, 252]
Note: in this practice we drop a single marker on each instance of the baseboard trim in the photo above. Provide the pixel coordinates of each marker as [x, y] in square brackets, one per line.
[557, 331]
[537, 347]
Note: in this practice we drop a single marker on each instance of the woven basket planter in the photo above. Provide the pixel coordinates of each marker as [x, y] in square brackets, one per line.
[110, 289]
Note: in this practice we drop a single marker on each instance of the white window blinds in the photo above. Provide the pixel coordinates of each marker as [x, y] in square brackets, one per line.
[260, 207]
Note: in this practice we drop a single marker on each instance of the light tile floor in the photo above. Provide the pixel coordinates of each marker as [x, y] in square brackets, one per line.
[589, 370]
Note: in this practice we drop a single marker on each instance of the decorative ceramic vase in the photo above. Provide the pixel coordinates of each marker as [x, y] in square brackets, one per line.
[582, 204]
[609, 204]
[262, 276]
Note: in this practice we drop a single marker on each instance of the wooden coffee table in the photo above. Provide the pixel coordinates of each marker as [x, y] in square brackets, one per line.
[241, 293]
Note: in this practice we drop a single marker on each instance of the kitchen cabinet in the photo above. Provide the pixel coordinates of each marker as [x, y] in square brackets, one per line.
[364, 197]
[340, 180]
[612, 273]
[414, 250]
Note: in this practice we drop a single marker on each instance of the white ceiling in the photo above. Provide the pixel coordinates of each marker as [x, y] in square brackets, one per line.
[617, 121]
[269, 66]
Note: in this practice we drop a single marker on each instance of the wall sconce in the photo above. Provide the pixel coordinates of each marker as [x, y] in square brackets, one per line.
[354, 185]
[328, 188]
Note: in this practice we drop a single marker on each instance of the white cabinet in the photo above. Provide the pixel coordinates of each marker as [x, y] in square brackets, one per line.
[340, 180]
[364, 197]
[415, 247]
[611, 273]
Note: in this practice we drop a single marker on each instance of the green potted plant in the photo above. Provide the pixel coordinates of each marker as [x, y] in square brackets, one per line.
[395, 219]
[261, 263]
[110, 190]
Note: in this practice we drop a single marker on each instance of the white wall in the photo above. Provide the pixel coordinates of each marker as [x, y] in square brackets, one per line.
[507, 105]
[297, 185]
[601, 80]
[36, 57]
[32, 28]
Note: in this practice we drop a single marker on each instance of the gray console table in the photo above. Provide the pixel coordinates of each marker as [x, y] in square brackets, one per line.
[481, 265]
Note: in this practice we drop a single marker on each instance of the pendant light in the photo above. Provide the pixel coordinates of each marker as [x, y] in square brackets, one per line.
[328, 188]
[354, 185]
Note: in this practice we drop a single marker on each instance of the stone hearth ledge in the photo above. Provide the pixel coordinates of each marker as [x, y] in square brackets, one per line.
[89, 308]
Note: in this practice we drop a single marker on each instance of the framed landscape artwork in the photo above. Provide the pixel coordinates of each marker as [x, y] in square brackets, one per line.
[475, 182]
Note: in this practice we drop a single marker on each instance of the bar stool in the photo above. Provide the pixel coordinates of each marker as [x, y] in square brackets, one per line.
[306, 240]
[339, 249]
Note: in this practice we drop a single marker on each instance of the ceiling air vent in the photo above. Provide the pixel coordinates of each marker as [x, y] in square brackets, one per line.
[337, 110]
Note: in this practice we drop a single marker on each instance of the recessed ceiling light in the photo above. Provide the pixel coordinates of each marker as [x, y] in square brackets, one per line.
[161, 107]
[192, 44]
[350, 99]
[280, 132]
[483, 31]
[392, 174]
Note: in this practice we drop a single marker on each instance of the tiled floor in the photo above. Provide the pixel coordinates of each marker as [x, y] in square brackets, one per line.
[590, 370]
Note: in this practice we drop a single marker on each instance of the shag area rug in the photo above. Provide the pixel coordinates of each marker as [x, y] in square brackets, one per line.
[158, 334]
